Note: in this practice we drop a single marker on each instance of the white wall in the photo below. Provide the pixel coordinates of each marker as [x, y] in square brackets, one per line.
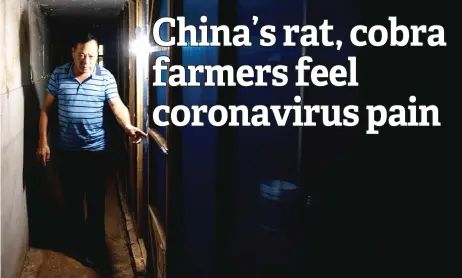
[23, 47]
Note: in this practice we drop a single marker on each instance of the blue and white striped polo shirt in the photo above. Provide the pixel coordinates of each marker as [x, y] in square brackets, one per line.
[81, 106]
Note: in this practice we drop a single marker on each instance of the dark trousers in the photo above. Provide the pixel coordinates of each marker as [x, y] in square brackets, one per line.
[83, 177]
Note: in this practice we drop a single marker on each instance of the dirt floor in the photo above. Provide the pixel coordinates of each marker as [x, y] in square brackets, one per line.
[50, 262]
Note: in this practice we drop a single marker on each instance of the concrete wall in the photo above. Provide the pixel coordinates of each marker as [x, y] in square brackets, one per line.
[23, 53]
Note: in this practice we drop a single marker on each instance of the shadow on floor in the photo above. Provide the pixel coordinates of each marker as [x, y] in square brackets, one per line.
[55, 262]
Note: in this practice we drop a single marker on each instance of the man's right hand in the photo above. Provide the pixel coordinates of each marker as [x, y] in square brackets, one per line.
[43, 151]
[43, 154]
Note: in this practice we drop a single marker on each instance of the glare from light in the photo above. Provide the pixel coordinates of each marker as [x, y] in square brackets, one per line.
[141, 46]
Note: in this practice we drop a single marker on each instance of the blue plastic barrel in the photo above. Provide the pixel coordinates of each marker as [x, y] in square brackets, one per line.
[275, 245]
[277, 205]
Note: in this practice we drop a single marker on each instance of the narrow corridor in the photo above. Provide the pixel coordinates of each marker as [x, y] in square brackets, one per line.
[35, 39]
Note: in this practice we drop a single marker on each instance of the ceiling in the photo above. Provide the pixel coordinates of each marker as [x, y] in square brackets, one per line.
[82, 8]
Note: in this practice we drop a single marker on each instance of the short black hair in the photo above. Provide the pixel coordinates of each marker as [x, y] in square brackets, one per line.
[83, 37]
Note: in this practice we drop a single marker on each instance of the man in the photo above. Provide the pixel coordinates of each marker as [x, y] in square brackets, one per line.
[82, 89]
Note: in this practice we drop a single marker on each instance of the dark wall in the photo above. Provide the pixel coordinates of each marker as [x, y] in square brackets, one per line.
[219, 233]
[195, 225]
[264, 154]
[222, 209]
[329, 168]
[199, 144]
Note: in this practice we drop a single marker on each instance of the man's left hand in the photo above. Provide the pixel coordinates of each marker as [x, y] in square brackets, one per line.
[136, 135]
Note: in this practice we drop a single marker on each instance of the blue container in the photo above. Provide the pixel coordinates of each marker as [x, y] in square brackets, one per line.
[277, 205]
[275, 244]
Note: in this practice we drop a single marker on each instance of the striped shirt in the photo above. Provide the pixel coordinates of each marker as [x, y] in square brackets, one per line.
[81, 106]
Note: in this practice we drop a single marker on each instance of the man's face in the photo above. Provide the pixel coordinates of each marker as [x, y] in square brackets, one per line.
[85, 56]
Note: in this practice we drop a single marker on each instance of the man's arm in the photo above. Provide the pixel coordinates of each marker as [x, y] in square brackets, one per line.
[43, 150]
[123, 118]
